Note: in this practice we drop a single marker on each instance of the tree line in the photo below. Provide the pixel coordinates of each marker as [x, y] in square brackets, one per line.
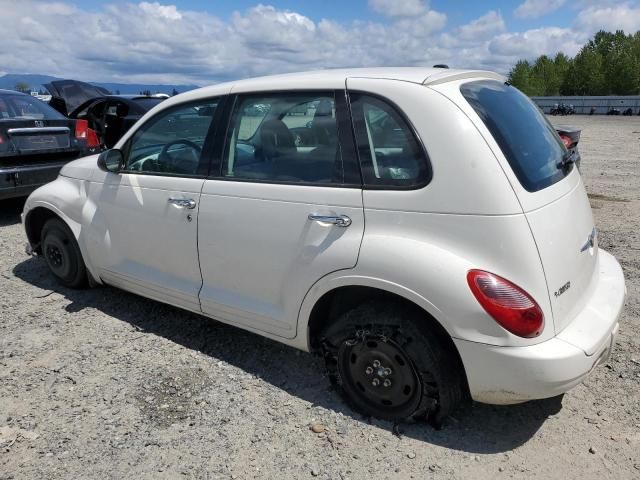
[608, 64]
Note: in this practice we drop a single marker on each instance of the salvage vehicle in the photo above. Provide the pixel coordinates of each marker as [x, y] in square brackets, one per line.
[110, 116]
[35, 142]
[570, 136]
[424, 230]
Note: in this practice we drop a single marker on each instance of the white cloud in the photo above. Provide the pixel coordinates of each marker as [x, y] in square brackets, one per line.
[537, 8]
[169, 12]
[423, 25]
[399, 8]
[486, 26]
[533, 43]
[620, 17]
[158, 43]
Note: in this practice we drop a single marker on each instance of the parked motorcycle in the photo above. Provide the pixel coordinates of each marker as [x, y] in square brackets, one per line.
[562, 109]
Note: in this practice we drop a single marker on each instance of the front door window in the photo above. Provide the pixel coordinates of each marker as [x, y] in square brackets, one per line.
[172, 142]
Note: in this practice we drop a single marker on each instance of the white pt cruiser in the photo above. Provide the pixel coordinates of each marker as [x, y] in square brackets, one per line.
[425, 230]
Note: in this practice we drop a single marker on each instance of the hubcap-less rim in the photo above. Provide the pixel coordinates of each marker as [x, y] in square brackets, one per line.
[55, 256]
[380, 373]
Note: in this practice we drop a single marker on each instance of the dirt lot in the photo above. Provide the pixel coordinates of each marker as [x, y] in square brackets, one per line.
[105, 384]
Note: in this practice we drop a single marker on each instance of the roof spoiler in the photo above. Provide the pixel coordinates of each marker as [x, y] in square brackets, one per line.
[450, 75]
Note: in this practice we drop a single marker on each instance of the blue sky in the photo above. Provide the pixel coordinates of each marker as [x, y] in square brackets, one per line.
[210, 41]
[458, 11]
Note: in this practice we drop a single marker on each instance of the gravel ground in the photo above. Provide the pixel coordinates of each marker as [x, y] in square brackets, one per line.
[105, 384]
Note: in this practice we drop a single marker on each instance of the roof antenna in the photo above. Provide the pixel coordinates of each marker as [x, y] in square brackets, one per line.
[441, 65]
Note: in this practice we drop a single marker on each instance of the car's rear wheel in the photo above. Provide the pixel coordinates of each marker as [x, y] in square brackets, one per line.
[62, 254]
[387, 364]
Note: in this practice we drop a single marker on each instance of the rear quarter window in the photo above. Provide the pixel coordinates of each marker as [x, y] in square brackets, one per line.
[525, 136]
[391, 155]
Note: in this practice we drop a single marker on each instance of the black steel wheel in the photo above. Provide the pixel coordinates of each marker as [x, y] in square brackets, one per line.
[387, 364]
[62, 254]
[378, 373]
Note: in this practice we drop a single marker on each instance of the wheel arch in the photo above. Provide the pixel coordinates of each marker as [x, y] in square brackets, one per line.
[333, 302]
[325, 302]
[37, 216]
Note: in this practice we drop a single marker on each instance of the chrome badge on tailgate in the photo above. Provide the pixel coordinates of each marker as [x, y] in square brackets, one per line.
[592, 240]
[562, 289]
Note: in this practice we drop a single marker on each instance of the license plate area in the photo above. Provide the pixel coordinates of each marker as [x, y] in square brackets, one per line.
[41, 142]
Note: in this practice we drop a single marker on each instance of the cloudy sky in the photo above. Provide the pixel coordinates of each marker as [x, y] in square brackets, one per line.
[188, 41]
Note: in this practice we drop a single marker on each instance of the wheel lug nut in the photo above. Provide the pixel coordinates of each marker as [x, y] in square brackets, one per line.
[376, 363]
[375, 382]
[368, 370]
[387, 371]
[387, 383]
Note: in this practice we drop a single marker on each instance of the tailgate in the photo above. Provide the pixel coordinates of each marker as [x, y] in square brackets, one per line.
[563, 230]
[549, 189]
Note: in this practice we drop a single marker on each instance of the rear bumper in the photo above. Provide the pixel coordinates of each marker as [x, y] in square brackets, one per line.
[21, 180]
[506, 375]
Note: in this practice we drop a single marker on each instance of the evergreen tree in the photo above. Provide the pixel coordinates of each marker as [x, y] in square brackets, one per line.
[608, 64]
[519, 76]
[22, 87]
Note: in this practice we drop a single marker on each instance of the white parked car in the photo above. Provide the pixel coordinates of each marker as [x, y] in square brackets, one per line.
[425, 230]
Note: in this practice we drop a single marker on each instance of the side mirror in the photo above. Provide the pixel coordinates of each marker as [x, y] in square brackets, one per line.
[111, 160]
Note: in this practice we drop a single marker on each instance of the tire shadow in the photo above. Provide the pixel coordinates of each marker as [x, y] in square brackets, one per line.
[476, 429]
[10, 211]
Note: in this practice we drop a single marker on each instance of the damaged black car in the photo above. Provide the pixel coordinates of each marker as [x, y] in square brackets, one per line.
[109, 116]
[35, 142]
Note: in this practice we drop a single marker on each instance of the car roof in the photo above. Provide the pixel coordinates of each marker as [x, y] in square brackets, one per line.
[422, 75]
[11, 92]
[331, 79]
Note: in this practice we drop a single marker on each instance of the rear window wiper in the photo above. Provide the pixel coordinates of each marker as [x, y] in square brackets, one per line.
[567, 159]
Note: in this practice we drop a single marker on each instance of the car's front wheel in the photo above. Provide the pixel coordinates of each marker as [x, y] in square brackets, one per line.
[62, 254]
[388, 365]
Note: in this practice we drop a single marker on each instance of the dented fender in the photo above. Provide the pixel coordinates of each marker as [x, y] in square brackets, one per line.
[67, 198]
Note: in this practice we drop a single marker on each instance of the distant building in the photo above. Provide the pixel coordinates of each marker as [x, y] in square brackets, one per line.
[39, 96]
[583, 105]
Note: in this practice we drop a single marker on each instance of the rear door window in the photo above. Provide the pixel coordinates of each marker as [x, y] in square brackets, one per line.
[527, 139]
[285, 138]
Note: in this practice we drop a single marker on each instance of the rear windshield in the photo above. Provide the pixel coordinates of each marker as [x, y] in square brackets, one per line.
[25, 107]
[147, 103]
[527, 139]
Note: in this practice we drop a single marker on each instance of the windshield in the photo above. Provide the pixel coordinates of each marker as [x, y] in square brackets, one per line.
[527, 139]
[24, 107]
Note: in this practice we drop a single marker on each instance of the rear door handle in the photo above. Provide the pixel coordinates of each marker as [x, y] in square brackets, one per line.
[339, 220]
[189, 203]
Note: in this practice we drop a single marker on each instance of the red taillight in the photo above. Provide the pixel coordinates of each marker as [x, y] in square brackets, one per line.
[82, 129]
[566, 140]
[92, 138]
[508, 304]
[83, 132]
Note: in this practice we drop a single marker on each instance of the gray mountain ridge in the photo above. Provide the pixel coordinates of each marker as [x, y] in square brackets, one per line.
[37, 81]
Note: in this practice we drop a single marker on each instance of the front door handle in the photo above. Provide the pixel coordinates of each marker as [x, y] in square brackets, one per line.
[340, 220]
[189, 203]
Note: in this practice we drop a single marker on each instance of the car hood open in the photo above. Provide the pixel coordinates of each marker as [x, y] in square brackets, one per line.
[73, 93]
